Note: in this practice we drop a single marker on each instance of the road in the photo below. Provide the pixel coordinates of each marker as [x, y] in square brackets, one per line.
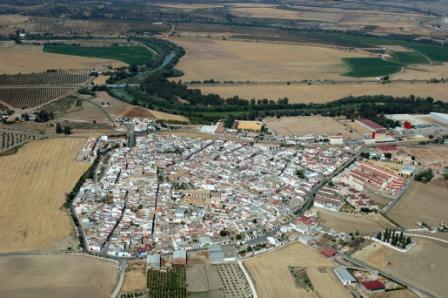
[122, 270]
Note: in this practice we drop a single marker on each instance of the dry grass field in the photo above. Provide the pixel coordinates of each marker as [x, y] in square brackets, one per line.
[30, 58]
[348, 223]
[260, 61]
[33, 185]
[429, 155]
[101, 80]
[421, 202]
[316, 93]
[271, 276]
[135, 277]
[316, 125]
[55, 276]
[424, 265]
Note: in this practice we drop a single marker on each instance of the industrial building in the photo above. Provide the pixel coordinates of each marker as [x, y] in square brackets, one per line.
[345, 277]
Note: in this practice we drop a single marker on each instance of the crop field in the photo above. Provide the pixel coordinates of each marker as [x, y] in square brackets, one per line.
[260, 61]
[348, 223]
[271, 277]
[409, 57]
[371, 67]
[55, 276]
[30, 58]
[317, 125]
[44, 78]
[322, 93]
[424, 265]
[11, 138]
[132, 55]
[429, 155]
[435, 53]
[30, 97]
[171, 283]
[34, 183]
[422, 202]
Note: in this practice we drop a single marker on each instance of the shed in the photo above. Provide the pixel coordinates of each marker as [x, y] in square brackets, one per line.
[344, 276]
[373, 285]
[328, 252]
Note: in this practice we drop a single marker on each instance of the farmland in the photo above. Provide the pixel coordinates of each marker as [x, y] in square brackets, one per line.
[12, 138]
[322, 93]
[55, 276]
[132, 55]
[371, 67]
[260, 61]
[30, 97]
[135, 278]
[317, 125]
[348, 223]
[171, 283]
[44, 78]
[423, 265]
[30, 58]
[421, 202]
[272, 278]
[409, 57]
[34, 183]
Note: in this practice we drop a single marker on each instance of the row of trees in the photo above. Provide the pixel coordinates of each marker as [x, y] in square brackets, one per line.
[394, 238]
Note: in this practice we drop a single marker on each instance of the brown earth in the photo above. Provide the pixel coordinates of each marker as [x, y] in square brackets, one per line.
[34, 183]
[55, 276]
[30, 58]
[271, 276]
[424, 265]
[135, 277]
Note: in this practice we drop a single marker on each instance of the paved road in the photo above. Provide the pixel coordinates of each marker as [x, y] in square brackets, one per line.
[122, 270]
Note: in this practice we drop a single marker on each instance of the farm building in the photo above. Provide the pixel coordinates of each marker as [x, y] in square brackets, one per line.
[439, 117]
[373, 285]
[249, 125]
[153, 261]
[336, 140]
[344, 276]
[328, 252]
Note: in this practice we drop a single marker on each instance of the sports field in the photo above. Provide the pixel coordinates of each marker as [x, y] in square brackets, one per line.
[33, 185]
[230, 60]
[271, 277]
[132, 55]
[55, 276]
[322, 93]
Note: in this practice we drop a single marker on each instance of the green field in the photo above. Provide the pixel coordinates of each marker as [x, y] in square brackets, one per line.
[435, 53]
[132, 55]
[370, 67]
[409, 58]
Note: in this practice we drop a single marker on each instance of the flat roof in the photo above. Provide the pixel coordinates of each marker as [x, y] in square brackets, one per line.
[344, 275]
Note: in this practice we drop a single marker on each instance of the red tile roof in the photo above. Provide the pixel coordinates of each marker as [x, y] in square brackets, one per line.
[373, 285]
[328, 251]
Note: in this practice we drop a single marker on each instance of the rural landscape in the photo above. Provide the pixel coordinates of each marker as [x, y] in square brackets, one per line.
[216, 148]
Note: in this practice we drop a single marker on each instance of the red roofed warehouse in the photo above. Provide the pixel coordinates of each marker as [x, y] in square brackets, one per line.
[373, 285]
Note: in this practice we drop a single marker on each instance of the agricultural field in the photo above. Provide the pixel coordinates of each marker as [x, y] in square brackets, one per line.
[349, 223]
[429, 155]
[409, 57]
[55, 276]
[34, 183]
[31, 97]
[317, 125]
[421, 202]
[171, 283]
[371, 67]
[424, 265]
[31, 59]
[10, 138]
[132, 55]
[270, 274]
[225, 60]
[135, 277]
[322, 93]
[44, 78]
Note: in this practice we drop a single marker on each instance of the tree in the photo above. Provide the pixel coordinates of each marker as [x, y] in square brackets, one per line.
[223, 233]
[388, 155]
[300, 174]
[59, 128]
[67, 130]
[379, 236]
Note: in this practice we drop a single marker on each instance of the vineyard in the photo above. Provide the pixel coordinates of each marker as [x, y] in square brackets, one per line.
[169, 283]
[12, 138]
[81, 27]
[45, 78]
[87, 125]
[24, 98]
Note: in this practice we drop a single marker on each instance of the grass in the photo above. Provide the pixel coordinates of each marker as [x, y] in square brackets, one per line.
[435, 53]
[370, 67]
[409, 58]
[132, 55]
